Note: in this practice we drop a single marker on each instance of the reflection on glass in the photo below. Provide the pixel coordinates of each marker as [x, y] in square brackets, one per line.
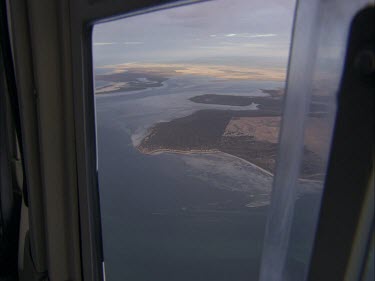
[188, 103]
[330, 25]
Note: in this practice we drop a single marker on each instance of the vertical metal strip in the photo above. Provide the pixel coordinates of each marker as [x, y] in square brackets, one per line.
[298, 92]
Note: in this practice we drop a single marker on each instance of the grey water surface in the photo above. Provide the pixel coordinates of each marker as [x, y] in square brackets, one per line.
[171, 216]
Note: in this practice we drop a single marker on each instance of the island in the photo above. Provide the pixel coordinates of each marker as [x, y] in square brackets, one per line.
[223, 100]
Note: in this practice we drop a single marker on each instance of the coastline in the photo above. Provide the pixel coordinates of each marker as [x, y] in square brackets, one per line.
[197, 151]
[177, 151]
[213, 151]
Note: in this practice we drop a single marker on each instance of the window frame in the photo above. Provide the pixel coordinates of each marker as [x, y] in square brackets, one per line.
[58, 121]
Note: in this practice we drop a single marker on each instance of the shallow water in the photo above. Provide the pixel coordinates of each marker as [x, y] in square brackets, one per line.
[173, 216]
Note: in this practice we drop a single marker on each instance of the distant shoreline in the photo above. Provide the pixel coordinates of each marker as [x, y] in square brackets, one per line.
[176, 151]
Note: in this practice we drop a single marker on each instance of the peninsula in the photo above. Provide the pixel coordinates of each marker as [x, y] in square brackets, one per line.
[248, 134]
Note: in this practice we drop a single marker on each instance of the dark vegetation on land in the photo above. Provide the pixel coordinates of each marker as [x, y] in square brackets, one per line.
[204, 131]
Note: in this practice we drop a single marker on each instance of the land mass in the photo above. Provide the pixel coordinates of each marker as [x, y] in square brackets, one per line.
[222, 99]
[131, 80]
[272, 102]
[141, 76]
[248, 134]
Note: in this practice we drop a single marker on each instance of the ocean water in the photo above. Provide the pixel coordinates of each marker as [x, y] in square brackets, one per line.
[171, 216]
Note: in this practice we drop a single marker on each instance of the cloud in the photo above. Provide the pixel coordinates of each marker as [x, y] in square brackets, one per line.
[131, 43]
[104, 43]
[197, 31]
[263, 35]
[232, 46]
[211, 47]
[244, 35]
[116, 43]
[242, 44]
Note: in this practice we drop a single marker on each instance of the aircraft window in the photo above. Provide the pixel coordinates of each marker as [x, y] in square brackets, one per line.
[188, 108]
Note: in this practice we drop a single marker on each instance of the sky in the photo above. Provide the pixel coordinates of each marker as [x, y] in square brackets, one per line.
[225, 32]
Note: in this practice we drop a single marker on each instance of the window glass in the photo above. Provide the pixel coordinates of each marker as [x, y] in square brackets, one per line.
[321, 43]
[188, 104]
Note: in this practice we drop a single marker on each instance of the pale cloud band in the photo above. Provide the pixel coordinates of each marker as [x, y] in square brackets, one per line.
[243, 35]
[131, 43]
[115, 43]
[103, 43]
